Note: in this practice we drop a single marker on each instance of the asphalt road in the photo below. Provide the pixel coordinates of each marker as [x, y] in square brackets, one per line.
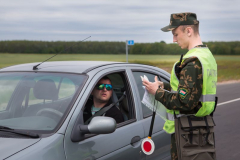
[227, 119]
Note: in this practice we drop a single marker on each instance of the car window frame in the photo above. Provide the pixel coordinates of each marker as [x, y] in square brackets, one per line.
[129, 95]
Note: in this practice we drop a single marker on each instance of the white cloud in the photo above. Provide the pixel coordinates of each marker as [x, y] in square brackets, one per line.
[113, 20]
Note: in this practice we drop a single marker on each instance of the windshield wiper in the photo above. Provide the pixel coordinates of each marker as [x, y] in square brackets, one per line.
[24, 133]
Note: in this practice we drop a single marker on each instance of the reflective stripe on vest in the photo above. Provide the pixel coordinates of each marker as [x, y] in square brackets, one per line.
[171, 116]
[203, 98]
[209, 72]
[208, 97]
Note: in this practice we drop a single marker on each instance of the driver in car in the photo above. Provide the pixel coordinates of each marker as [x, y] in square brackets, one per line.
[101, 97]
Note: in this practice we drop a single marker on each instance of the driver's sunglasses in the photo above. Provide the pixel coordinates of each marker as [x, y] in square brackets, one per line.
[101, 86]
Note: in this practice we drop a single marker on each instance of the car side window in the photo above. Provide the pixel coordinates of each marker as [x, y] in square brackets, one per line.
[146, 111]
[123, 110]
[164, 80]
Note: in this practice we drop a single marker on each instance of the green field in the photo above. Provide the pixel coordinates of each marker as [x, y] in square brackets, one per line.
[228, 66]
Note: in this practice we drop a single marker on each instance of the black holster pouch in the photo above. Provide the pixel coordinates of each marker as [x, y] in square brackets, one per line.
[195, 138]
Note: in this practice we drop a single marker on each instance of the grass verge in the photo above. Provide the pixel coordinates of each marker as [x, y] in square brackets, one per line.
[228, 66]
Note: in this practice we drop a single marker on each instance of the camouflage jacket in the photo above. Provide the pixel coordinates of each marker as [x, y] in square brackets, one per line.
[191, 82]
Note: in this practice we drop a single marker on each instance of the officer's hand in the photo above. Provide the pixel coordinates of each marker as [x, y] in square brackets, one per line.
[160, 83]
[151, 87]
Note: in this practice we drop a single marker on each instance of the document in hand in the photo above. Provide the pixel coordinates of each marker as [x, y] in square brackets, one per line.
[148, 100]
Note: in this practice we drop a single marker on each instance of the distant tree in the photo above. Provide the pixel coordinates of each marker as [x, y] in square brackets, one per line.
[95, 47]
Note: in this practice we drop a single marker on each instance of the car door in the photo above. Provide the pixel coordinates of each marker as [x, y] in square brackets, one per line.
[160, 138]
[124, 143]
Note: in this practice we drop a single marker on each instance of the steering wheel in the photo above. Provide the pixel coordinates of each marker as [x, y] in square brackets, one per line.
[50, 113]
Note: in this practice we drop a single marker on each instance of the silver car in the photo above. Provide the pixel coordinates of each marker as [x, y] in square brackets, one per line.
[41, 112]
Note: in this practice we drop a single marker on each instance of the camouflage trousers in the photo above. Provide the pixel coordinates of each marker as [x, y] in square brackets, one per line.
[173, 148]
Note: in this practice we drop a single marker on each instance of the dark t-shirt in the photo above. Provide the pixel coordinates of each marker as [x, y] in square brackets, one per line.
[113, 112]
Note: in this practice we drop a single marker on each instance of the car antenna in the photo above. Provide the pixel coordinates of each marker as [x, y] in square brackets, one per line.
[36, 66]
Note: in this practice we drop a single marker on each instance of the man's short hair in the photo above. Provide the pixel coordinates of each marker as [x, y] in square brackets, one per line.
[105, 78]
[195, 28]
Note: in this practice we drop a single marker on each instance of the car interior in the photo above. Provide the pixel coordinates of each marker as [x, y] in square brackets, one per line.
[45, 89]
[43, 97]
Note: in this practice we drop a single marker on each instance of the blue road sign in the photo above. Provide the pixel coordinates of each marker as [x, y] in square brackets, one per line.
[130, 42]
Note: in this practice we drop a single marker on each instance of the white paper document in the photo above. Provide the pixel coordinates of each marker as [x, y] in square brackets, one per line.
[148, 100]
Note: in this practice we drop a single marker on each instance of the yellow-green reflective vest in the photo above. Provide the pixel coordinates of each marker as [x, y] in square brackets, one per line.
[209, 71]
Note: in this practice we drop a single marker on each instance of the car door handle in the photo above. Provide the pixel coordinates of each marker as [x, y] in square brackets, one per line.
[135, 139]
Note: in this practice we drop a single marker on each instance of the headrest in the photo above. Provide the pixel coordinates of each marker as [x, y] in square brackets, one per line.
[114, 98]
[45, 89]
[124, 104]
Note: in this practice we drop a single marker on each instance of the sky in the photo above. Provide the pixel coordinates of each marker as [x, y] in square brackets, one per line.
[112, 20]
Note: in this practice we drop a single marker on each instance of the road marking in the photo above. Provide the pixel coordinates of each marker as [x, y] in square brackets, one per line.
[228, 102]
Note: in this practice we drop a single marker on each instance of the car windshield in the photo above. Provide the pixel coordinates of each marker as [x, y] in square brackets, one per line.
[37, 101]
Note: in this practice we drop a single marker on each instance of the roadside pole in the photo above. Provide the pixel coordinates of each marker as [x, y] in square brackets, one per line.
[128, 42]
[127, 51]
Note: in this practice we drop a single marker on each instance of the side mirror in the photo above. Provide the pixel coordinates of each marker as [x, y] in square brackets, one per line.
[98, 125]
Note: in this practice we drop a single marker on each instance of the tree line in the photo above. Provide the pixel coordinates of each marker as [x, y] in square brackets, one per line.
[96, 47]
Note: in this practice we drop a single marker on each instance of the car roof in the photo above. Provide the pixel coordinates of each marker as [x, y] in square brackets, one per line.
[67, 66]
[62, 66]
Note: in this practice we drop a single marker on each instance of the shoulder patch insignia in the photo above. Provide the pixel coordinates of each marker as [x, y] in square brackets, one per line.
[183, 92]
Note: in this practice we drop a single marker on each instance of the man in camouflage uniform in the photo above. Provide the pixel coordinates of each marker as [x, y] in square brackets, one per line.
[184, 27]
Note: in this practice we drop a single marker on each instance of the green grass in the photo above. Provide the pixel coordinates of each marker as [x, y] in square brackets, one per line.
[228, 66]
